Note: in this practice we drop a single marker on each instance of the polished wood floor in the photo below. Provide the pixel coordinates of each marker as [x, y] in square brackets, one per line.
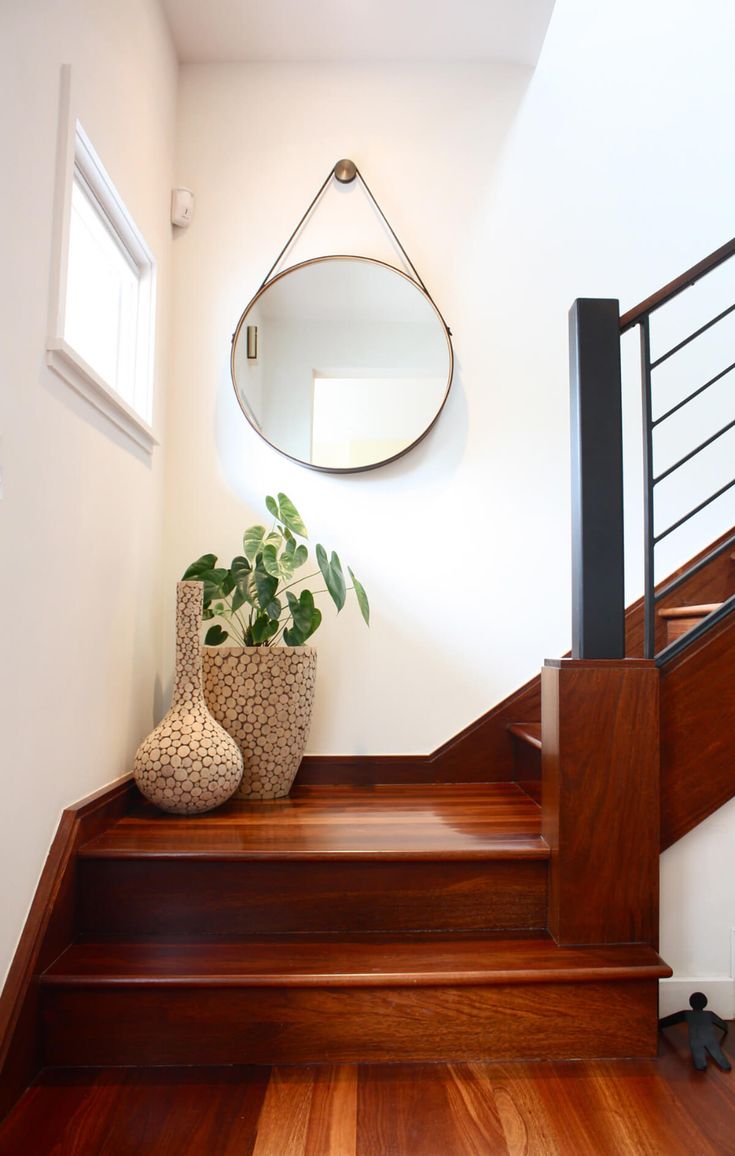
[464, 820]
[658, 1107]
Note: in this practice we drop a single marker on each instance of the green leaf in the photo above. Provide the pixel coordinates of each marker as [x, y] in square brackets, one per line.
[215, 636]
[292, 636]
[333, 576]
[273, 609]
[194, 572]
[301, 609]
[265, 588]
[275, 538]
[300, 556]
[362, 598]
[242, 574]
[279, 566]
[252, 542]
[270, 562]
[238, 599]
[239, 566]
[289, 515]
[271, 506]
[263, 629]
[306, 618]
[213, 582]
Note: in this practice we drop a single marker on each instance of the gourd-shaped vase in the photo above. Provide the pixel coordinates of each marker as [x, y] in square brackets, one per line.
[188, 764]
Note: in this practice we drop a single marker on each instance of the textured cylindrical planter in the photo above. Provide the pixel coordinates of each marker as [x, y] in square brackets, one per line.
[189, 763]
[263, 697]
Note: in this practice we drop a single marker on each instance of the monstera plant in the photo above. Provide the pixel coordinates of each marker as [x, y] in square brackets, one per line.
[261, 599]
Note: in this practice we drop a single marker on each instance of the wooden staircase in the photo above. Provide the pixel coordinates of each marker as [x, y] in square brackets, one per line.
[510, 916]
[341, 925]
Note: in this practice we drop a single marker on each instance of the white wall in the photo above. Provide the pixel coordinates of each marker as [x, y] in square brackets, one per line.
[698, 914]
[255, 143]
[81, 512]
[605, 173]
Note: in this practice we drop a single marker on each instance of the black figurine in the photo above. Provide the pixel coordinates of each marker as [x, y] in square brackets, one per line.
[702, 1038]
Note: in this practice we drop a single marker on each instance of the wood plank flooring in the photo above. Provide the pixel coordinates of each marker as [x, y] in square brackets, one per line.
[658, 1107]
[456, 820]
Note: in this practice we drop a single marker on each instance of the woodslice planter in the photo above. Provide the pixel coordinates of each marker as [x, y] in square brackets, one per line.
[263, 698]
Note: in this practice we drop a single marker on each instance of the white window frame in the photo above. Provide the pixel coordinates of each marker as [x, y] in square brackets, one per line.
[76, 155]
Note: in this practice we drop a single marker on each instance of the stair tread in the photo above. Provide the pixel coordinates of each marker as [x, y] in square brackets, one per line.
[438, 821]
[528, 732]
[354, 961]
[689, 611]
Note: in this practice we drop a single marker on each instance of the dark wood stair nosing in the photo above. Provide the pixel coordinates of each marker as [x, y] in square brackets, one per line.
[700, 611]
[528, 732]
[478, 961]
[508, 847]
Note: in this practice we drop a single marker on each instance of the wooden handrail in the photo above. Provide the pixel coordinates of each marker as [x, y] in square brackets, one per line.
[633, 316]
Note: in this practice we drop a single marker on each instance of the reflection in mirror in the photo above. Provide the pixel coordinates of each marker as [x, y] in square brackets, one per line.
[353, 362]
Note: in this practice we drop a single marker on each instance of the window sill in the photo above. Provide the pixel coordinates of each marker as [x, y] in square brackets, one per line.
[80, 376]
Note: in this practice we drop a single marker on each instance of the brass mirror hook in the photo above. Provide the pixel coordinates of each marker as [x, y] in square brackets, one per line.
[345, 171]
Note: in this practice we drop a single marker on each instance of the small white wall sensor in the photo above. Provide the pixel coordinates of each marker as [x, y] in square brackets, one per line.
[182, 207]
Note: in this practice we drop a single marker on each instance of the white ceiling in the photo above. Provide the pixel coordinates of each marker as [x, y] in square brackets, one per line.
[220, 31]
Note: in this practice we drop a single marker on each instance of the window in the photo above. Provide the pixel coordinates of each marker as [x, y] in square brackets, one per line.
[102, 314]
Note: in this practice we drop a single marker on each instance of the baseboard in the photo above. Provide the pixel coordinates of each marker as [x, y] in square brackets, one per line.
[49, 928]
[673, 994]
[482, 752]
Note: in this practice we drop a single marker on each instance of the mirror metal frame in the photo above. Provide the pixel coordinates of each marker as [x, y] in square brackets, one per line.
[252, 421]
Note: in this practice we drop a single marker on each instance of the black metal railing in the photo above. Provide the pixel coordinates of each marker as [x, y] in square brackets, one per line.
[598, 611]
[641, 317]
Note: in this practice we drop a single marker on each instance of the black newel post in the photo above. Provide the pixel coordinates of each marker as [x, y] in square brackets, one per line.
[598, 579]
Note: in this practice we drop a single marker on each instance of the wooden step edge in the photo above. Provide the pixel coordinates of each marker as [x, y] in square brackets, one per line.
[369, 979]
[527, 732]
[508, 847]
[669, 612]
[575, 965]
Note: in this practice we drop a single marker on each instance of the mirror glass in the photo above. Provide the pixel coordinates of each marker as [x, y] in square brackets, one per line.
[342, 362]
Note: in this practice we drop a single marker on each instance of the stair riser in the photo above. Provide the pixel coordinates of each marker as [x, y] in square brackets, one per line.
[155, 1026]
[527, 760]
[195, 898]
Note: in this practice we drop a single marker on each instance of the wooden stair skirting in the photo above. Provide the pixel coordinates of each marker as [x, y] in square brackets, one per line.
[485, 751]
[50, 926]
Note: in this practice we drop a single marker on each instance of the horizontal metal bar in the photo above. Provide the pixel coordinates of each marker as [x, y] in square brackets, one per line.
[690, 571]
[683, 281]
[675, 648]
[692, 336]
[693, 453]
[701, 506]
[680, 404]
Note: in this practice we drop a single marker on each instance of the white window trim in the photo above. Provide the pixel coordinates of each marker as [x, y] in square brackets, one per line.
[75, 151]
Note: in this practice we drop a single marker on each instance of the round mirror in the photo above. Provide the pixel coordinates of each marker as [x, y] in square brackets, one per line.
[342, 363]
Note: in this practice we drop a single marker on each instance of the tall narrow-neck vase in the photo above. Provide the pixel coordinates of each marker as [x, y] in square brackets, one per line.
[188, 764]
